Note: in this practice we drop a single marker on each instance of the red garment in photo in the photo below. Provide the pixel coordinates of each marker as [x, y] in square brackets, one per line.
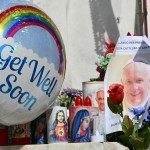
[60, 132]
[82, 133]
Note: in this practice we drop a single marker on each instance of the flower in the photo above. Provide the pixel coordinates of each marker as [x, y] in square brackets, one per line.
[116, 93]
[103, 60]
[137, 111]
[136, 134]
[147, 119]
[148, 116]
[110, 47]
[67, 96]
[72, 92]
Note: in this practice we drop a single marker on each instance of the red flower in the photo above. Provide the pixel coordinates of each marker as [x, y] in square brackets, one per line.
[111, 50]
[116, 93]
[98, 69]
[110, 44]
[110, 47]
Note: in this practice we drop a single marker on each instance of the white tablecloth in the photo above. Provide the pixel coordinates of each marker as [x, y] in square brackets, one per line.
[70, 146]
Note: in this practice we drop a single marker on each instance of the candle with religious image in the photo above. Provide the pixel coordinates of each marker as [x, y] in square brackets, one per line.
[20, 134]
[39, 130]
[95, 91]
[98, 124]
[57, 126]
[3, 135]
[80, 125]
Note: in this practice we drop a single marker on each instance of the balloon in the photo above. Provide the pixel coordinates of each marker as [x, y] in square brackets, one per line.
[32, 61]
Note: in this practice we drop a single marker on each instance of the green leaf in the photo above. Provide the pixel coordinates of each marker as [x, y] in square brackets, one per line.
[116, 109]
[125, 140]
[63, 104]
[145, 132]
[137, 142]
[95, 79]
[128, 131]
[127, 125]
[147, 140]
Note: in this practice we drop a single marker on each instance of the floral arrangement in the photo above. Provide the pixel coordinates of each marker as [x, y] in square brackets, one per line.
[135, 135]
[67, 97]
[103, 61]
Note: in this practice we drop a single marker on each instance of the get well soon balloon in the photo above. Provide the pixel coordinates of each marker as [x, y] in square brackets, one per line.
[32, 61]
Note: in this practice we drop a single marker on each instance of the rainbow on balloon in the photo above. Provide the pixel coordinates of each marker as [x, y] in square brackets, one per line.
[17, 17]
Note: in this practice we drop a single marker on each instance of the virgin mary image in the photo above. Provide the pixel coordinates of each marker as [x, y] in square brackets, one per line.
[80, 130]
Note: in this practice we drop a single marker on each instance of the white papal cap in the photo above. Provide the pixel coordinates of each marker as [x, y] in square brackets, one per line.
[136, 59]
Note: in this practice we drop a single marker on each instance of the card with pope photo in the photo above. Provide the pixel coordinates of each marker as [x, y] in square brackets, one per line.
[129, 67]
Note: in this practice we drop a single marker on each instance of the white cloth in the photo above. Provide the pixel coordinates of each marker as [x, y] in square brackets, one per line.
[68, 146]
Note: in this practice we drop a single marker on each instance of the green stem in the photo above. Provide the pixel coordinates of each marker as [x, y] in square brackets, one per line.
[136, 127]
[134, 132]
[121, 114]
[71, 97]
[137, 124]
